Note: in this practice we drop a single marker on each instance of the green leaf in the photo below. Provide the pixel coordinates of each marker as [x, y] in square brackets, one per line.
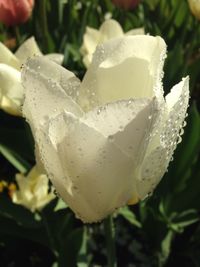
[191, 142]
[16, 160]
[60, 205]
[184, 219]
[10, 227]
[166, 247]
[61, 6]
[129, 216]
[58, 225]
[179, 177]
[73, 245]
[82, 260]
[18, 213]
[20, 140]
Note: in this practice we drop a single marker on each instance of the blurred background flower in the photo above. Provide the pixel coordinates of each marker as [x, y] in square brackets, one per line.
[126, 4]
[195, 7]
[11, 90]
[14, 12]
[109, 29]
[3, 185]
[33, 190]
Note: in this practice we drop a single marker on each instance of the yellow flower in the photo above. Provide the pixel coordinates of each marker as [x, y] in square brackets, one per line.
[195, 7]
[33, 190]
[3, 184]
[11, 189]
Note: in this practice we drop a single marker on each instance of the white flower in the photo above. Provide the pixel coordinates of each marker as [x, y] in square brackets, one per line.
[109, 29]
[33, 190]
[11, 90]
[195, 7]
[108, 140]
[107, 15]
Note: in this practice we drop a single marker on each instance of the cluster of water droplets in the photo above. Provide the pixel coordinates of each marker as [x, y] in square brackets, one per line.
[168, 131]
[152, 165]
[154, 119]
[158, 87]
[72, 88]
[114, 117]
[88, 96]
[153, 171]
[174, 126]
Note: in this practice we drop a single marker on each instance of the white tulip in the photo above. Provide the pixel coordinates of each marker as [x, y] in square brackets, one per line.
[108, 140]
[11, 90]
[109, 29]
[33, 190]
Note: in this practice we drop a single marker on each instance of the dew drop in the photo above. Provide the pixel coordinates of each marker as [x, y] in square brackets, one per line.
[181, 131]
[179, 140]
[184, 123]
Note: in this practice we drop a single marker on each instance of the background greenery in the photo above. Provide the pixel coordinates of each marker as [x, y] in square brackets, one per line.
[163, 230]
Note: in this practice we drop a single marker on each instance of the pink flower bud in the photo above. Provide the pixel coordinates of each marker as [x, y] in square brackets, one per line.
[14, 12]
[126, 4]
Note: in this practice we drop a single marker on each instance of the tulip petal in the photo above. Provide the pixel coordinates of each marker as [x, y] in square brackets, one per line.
[163, 143]
[11, 89]
[123, 68]
[137, 31]
[99, 172]
[110, 29]
[178, 93]
[46, 84]
[55, 73]
[90, 39]
[48, 156]
[28, 49]
[126, 122]
[176, 116]
[46, 97]
[7, 57]
[57, 58]
[153, 168]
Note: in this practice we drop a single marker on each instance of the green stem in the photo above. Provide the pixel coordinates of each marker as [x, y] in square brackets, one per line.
[44, 24]
[48, 231]
[110, 241]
